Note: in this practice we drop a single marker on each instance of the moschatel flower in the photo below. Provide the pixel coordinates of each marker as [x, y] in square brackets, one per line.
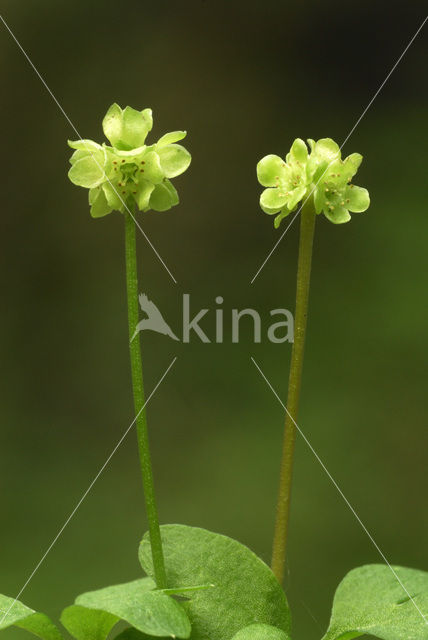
[129, 172]
[320, 174]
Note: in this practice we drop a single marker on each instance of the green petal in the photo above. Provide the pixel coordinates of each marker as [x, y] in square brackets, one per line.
[311, 144]
[339, 215]
[273, 200]
[127, 129]
[131, 153]
[319, 199]
[88, 624]
[163, 197]
[135, 126]
[170, 138]
[350, 165]
[174, 160]
[325, 152]
[144, 191]
[112, 124]
[278, 219]
[295, 196]
[299, 151]
[100, 206]
[87, 145]
[271, 170]
[150, 168]
[112, 195]
[89, 171]
[357, 198]
[327, 149]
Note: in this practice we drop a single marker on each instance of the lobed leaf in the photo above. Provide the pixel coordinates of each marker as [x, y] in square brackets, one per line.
[370, 600]
[261, 632]
[88, 624]
[14, 613]
[136, 602]
[245, 590]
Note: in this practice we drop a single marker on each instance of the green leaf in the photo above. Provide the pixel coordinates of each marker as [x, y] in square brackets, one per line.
[357, 198]
[131, 634]
[271, 170]
[174, 160]
[149, 611]
[170, 138]
[88, 624]
[163, 197]
[89, 171]
[370, 600]
[14, 613]
[261, 632]
[245, 590]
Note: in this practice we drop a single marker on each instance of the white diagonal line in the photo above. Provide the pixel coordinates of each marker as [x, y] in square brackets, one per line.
[342, 145]
[378, 549]
[42, 80]
[54, 541]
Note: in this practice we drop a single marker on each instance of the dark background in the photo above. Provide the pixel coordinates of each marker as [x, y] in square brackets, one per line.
[244, 79]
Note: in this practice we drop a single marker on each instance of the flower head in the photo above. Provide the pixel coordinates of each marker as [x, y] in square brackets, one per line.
[129, 172]
[320, 174]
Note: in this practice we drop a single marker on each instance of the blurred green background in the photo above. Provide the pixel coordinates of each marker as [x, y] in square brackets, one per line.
[244, 79]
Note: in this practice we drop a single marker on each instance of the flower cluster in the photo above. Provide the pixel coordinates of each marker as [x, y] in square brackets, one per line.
[129, 172]
[320, 174]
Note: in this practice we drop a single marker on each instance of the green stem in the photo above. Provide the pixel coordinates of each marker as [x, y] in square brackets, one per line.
[307, 227]
[140, 412]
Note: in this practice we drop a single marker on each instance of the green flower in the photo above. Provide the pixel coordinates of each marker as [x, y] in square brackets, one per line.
[320, 174]
[129, 172]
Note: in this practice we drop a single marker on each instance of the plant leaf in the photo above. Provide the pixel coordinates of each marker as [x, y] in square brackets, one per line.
[261, 632]
[13, 612]
[131, 634]
[88, 624]
[136, 602]
[245, 590]
[371, 600]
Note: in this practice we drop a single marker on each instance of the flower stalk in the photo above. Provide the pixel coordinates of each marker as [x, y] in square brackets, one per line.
[126, 174]
[139, 402]
[307, 228]
[322, 181]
